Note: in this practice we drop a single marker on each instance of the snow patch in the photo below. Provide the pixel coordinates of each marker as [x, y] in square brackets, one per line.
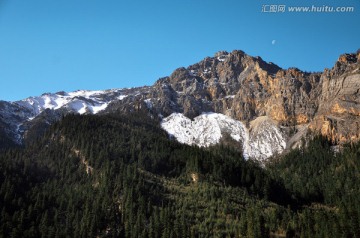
[207, 70]
[121, 97]
[78, 106]
[85, 93]
[148, 103]
[193, 72]
[222, 58]
[99, 107]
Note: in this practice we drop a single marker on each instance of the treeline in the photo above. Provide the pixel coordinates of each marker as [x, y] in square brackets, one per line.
[120, 176]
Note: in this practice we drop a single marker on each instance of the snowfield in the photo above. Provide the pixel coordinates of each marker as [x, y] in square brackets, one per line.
[262, 140]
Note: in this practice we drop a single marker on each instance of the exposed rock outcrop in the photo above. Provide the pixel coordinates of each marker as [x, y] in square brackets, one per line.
[242, 87]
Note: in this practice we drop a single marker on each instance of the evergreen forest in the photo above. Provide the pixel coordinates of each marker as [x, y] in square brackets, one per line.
[121, 176]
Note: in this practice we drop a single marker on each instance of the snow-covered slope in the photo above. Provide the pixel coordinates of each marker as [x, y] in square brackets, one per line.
[205, 130]
[262, 140]
[265, 139]
[80, 101]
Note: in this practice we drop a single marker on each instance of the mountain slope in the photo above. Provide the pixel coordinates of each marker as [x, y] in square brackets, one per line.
[252, 92]
[119, 176]
[115, 176]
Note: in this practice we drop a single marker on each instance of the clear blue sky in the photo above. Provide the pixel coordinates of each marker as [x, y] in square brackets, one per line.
[54, 45]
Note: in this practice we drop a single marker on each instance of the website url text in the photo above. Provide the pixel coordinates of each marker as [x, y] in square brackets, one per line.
[313, 8]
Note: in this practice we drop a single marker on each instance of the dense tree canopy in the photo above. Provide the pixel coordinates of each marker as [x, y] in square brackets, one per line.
[120, 176]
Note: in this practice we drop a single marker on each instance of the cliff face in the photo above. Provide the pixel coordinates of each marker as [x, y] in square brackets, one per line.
[259, 94]
[339, 109]
[240, 86]
[245, 88]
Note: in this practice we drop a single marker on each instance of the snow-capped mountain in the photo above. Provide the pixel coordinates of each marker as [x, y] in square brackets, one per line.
[264, 108]
[19, 116]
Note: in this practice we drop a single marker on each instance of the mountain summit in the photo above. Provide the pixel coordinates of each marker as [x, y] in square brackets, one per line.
[262, 107]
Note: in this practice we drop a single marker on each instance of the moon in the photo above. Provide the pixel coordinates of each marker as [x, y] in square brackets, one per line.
[273, 42]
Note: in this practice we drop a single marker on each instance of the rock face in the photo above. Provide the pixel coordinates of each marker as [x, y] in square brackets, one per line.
[257, 94]
[338, 115]
[246, 88]
[241, 87]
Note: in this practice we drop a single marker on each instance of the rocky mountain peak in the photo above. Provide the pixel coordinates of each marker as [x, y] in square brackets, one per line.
[274, 105]
[348, 58]
[221, 55]
[345, 62]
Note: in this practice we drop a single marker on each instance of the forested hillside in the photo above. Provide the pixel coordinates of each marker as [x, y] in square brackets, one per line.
[121, 176]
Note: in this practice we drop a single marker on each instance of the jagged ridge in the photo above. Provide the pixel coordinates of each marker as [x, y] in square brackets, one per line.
[243, 88]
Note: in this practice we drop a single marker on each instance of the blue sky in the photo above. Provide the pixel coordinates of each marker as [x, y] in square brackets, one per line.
[53, 45]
